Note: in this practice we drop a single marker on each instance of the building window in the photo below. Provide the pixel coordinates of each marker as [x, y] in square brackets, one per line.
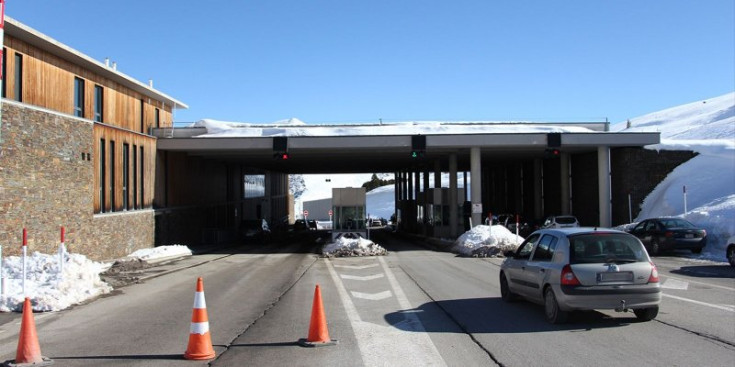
[254, 186]
[142, 116]
[102, 158]
[125, 176]
[4, 71]
[18, 77]
[98, 103]
[135, 177]
[142, 179]
[112, 176]
[78, 97]
[158, 118]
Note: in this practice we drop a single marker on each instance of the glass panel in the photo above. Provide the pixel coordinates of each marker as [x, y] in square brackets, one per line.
[254, 186]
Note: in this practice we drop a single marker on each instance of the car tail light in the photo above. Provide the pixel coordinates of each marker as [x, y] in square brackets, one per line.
[654, 274]
[669, 234]
[568, 277]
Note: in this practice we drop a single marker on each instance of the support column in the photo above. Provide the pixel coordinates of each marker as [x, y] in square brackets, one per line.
[396, 193]
[476, 172]
[453, 210]
[538, 189]
[564, 174]
[603, 179]
[426, 200]
[437, 174]
[409, 180]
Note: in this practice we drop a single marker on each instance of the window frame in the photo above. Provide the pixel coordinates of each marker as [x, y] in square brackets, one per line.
[78, 97]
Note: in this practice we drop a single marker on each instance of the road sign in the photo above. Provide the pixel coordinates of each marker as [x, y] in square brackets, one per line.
[330, 212]
[306, 213]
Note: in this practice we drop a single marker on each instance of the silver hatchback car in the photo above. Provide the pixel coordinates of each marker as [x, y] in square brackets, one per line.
[582, 269]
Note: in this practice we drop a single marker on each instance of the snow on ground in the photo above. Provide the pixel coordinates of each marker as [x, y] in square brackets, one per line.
[344, 247]
[50, 291]
[486, 241]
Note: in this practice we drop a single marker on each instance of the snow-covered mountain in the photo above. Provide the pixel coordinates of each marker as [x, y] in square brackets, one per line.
[708, 128]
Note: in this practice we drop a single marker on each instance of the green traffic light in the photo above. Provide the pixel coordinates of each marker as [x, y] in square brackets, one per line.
[414, 154]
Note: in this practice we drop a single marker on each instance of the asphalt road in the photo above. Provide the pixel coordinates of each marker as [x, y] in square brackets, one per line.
[414, 307]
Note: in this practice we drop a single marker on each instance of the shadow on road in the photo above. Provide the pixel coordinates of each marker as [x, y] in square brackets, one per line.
[707, 271]
[493, 315]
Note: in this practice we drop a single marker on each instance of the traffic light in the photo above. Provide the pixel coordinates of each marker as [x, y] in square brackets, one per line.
[552, 153]
[280, 148]
[418, 146]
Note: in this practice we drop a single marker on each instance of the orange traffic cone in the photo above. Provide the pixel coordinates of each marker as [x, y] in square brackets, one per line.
[200, 341]
[318, 333]
[29, 351]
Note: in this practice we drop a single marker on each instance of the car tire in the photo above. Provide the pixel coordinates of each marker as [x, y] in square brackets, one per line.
[655, 248]
[505, 291]
[646, 314]
[731, 255]
[552, 312]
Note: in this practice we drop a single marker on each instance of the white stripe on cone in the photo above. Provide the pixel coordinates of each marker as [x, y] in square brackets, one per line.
[199, 328]
[199, 300]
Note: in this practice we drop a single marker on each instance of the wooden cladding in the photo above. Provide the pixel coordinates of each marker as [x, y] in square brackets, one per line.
[124, 168]
[48, 81]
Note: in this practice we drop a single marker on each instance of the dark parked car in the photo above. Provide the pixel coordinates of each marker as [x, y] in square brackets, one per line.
[667, 234]
[255, 231]
[573, 269]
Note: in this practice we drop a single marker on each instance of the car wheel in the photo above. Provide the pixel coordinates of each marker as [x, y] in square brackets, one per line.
[646, 314]
[655, 248]
[731, 255]
[551, 308]
[697, 250]
[505, 291]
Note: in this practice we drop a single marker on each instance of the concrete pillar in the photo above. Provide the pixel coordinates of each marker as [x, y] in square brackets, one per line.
[426, 197]
[453, 206]
[409, 180]
[565, 181]
[603, 179]
[417, 185]
[404, 186]
[437, 174]
[466, 189]
[538, 189]
[396, 193]
[476, 172]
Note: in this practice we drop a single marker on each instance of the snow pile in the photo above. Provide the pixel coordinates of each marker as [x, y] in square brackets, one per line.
[47, 290]
[346, 247]
[162, 252]
[486, 241]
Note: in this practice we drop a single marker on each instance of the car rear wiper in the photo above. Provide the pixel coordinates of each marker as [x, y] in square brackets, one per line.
[614, 260]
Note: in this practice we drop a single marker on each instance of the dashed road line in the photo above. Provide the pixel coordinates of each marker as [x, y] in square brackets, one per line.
[726, 308]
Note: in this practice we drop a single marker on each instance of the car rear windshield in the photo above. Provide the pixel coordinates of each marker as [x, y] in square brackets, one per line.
[676, 223]
[605, 248]
[566, 220]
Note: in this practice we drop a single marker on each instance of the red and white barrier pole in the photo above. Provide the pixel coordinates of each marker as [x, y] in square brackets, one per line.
[62, 250]
[25, 252]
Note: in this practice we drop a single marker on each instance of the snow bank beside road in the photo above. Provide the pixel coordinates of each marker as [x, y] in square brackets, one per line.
[486, 241]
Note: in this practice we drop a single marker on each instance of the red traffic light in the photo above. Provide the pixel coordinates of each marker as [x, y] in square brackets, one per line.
[284, 156]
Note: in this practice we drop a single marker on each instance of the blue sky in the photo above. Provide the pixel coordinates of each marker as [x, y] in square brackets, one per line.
[361, 61]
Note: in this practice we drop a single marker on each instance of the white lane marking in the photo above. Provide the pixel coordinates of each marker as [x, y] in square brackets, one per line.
[675, 284]
[726, 308]
[363, 278]
[388, 345]
[372, 296]
[702, 283]
[357, 267]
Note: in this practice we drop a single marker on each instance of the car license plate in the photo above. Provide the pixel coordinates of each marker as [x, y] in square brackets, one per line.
[616, 276]
[689, 235]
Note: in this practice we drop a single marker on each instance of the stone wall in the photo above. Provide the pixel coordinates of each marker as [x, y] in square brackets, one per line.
[46, 182]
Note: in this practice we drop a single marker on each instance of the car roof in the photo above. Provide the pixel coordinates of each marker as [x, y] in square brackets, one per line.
[579, 230]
